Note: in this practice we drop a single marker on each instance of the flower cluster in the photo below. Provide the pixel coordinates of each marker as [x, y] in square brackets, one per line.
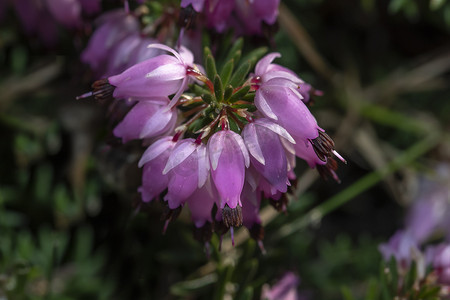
[219, 141]
[42, 17]
[245, 17]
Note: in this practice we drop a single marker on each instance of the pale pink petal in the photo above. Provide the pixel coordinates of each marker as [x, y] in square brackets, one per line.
[155, 149]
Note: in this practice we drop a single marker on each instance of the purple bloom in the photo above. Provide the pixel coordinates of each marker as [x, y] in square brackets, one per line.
[196, 4]
[154, 160]
[201, 203]
[265, 70]
[229, 158]
[230, 148]
[267, 152]
[113, 27]
[91, 6]
[253, 13]
[285, 289]
[430, 213]
[439, 257]
[146, 120]
[36, 21]
[159, 76]
[66, 12]
[187, 169]
[402, 247]
[278, 100]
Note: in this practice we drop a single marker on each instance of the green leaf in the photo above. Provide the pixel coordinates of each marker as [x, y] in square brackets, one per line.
[200, 90]
[208, 98]
[410, 277]
[240, 75]
[393, 275]
[254, 56]
[224, 277]
[210, 64]
[372, 290]
[218, 88]
[248, 293]
[228, 93]
[249, 107]
[189, 287]
[226, 71]
[436, 4]
[235, 51]
[347, 293]
[239, 94]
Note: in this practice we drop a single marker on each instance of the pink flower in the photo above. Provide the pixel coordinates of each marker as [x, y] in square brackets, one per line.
[229, 158]
[402, 247]
[154, 160]
[113, 27]
[267, 152]
[284, 289]
[187, 168]
[201, 203]
[439, 257]
[66, 12]
[159, 76]
[145, 120]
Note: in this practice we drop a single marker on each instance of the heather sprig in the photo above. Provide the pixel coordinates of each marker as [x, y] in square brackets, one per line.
[239, 123]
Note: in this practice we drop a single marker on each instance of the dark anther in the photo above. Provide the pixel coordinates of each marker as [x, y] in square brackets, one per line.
[232, 216]
[280, 204]
[102, 89]
[323, 145]
[170, 214]
[187, 17]
[257, 232]
[204, 233]
[329, 170]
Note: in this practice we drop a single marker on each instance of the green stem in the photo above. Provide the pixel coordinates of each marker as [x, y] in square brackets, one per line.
[316, 214]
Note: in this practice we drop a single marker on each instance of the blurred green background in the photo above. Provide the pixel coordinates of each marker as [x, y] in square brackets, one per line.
[70, 227]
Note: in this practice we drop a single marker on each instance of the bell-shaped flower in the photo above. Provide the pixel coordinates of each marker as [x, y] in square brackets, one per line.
[187, 169]
[278, 100]
[267, 152]
[66, 12]
[154, 160]
[402, 247]
[229, 158]
[265, 70]
[284, 289]
[251, 202]
[90, 6]
[197, 5]
[305, 151]
[439, 257]
[121, 55]
[146, 119]
[159, 76]
[201, 203]
[253, 13]
[114, 26]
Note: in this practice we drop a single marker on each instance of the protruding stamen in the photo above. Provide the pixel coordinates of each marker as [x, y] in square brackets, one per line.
[85, 95]
[102, 89]
[170, 215]
[323, 145]
[187, 17]
[281, 204]
[329, 170]
[232, 216]
[339, 156]
[261, 247]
